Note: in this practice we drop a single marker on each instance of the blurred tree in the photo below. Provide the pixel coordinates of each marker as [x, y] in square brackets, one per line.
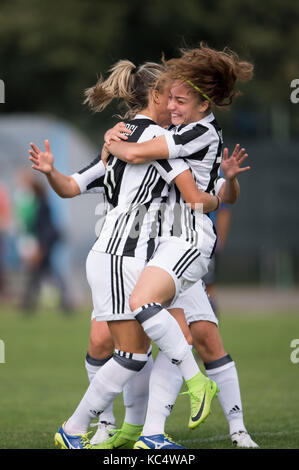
[51, 51]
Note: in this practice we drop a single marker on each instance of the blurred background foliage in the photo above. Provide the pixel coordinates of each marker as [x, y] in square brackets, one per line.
[51, 51]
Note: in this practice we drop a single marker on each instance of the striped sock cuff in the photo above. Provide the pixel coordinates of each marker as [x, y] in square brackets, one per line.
[147, 311]
[223, 362]
[93, 361]
[131, 361]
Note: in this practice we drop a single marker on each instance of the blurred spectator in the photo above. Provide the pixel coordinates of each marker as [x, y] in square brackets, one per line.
[5, 223]
[37, 239]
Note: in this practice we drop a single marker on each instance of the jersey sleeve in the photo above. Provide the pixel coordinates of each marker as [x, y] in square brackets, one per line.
[218, 185]
[169, 170]
[91, 178]
[192, 142]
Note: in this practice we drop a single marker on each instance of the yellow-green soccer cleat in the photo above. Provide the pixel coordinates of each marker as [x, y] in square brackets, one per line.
[201, 391]
[123, 438]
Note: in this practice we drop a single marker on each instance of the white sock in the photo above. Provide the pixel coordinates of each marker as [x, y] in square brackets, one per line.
[106, 385]
[92, 365]
[135, 395]
[165, 331]
[223, 371]
[165, 384]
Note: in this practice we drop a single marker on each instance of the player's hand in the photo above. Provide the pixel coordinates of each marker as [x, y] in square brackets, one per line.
[42, 161]
[117, 133]
[105, 154]
[231, 166]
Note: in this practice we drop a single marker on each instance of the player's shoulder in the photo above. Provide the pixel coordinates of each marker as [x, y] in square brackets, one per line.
[187, 133]
[94, 162]
[142, 129]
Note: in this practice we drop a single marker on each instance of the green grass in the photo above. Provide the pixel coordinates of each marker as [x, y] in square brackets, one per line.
[44, 377]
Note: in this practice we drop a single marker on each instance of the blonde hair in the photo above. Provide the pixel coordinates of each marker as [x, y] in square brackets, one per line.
[213, 73]
[128, 83]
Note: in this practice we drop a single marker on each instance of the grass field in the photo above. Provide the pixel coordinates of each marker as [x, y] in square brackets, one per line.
[44, 377]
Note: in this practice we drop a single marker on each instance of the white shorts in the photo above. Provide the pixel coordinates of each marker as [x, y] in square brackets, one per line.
[196, 304]
[111, 279]
[185, 266]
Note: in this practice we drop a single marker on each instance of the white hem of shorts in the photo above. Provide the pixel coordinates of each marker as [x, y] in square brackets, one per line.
[115, 317]
[193, 318]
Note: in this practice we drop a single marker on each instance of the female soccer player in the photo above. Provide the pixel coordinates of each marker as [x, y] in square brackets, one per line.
[119, 255]
[202, 77]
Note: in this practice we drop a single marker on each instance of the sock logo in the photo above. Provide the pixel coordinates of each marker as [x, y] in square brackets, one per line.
[169, 407]
[176, 361]
[96, 413]
[235, 409]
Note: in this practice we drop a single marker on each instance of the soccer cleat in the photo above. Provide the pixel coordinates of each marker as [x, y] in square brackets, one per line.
[68, 441]
[105, 431]
[242, 439]
[201, 396]
[157, 441]
[123, 438]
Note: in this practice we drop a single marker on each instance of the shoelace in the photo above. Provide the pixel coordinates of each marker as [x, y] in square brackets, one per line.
[194, 402]
[111, 432]
[168, 437]
[95, 425]
[85, 440]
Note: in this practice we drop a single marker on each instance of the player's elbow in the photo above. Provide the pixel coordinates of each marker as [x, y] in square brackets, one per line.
[133, 157]
[69, 192]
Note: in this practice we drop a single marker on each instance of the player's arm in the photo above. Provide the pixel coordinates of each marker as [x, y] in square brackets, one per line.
[192, 195]
[231, 167]
[135, 153]
[65, 186]
[178, 171]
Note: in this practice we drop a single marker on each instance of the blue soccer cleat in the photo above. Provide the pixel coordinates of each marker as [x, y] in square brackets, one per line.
[157, 441]
[68, 441]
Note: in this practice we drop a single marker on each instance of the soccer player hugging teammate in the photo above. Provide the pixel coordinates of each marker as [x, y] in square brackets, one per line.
[201, 78]
[178, 262]
[119, 256]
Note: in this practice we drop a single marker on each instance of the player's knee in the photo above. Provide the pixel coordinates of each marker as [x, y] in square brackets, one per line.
[207, 348]
[100, 346]
[135, 301]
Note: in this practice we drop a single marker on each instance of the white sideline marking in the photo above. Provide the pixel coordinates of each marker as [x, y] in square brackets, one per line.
[223, 437]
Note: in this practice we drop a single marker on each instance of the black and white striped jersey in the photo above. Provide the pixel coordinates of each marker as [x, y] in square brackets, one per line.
[200, 145]
[134, 193]
[91, 178]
